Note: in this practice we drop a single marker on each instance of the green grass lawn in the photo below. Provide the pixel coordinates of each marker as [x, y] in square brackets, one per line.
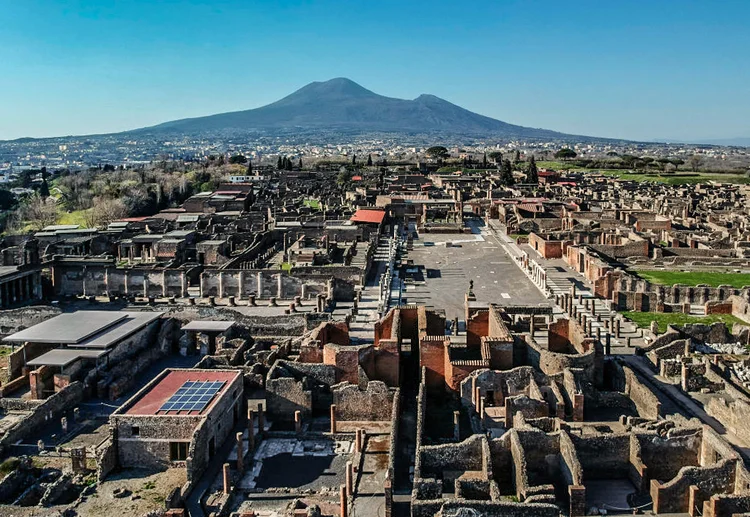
[75, 217]
[737, 280]
[312, 203]
[677, 178]
[644, 319]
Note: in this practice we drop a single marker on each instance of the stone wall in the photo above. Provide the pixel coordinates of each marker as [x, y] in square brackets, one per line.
[290, 387]
[51, 409]
[675, 496]
[603, 457]
[371, 404]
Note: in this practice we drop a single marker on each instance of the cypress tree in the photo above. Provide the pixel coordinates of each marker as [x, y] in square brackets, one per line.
[532, 176]
[279, 163]
[369, 160]
[506, 174]
[249, 168]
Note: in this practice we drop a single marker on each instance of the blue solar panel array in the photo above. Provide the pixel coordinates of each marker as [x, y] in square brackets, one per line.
[193, 396]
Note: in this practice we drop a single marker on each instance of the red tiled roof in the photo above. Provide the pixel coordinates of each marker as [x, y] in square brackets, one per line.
[368, 216]
[154, 398]
[356, 178]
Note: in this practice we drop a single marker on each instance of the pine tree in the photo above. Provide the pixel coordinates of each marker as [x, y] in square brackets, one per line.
[506, 173]
[532, 176]
[369, 160]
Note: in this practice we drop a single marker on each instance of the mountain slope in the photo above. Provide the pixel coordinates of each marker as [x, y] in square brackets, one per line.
[343, 104]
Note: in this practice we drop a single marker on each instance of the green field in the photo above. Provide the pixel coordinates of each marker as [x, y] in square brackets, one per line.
[76, 217]
[312, 203]
[678, 178]
[644, 319]
[737, 280]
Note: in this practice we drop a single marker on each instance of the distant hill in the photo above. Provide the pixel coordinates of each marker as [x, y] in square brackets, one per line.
[345, 105]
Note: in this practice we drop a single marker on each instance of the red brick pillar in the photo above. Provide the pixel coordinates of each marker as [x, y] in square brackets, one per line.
[343, 507]
[578, 399]
[349, 479]
[358, 441]
[333, 418]
[577, 500]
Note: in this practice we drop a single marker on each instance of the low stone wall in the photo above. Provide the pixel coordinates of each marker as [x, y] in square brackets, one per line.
[485, 508]
[52, 408]
[675, 495]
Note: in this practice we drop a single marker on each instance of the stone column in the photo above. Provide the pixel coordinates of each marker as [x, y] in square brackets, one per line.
[227, 479]
[259, 280]
[221, 285]
[240, 452]
[298, 422]
[279, 286]
[456, 425]
[333, 418]
[241, 286]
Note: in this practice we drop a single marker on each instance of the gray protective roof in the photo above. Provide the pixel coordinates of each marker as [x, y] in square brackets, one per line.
[64, 356]
[120, 330]
[208, 326]
[69, 328]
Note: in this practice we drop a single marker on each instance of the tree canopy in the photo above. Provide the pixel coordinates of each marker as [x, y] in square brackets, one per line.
[437, 151]
[566, 153]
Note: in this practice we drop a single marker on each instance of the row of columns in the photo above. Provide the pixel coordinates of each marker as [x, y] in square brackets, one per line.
[20, 290]
[259, 283]
[586, 319]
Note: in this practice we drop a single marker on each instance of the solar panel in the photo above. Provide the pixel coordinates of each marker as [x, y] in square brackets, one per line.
[193, 396]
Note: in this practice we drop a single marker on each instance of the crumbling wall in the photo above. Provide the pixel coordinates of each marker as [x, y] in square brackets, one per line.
[674, 496]
[53, 408]
[463, 456]
[665, 456]
[354, 403]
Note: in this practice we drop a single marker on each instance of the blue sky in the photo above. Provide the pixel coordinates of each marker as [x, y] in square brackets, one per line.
[632, 69]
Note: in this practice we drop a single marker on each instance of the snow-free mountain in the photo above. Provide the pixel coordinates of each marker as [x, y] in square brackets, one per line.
[342, 104]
